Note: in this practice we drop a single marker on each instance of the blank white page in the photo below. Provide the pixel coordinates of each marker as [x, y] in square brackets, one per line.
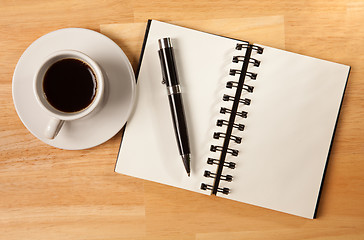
[289, 129]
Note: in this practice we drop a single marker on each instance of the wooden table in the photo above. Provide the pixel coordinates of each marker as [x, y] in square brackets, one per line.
[48, 193]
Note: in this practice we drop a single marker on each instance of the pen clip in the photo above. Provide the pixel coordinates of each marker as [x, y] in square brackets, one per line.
[163, 66]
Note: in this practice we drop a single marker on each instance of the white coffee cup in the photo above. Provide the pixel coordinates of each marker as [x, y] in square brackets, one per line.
[58, 117]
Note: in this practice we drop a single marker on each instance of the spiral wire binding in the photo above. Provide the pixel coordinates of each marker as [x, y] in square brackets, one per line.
[231, 84]
[242, 114]
[239, 126]
[212, 161]
[218, 135]
[227, 178]
[233, 152]
[210, 187]
[240, 46]
[254, 61]
[245, 101]
[233, 72]
[230, 124]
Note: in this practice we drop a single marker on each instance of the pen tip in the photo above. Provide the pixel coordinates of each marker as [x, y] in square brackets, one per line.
[186, 161]
[189, 174]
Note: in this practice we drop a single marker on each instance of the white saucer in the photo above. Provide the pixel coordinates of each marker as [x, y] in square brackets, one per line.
[119, 97]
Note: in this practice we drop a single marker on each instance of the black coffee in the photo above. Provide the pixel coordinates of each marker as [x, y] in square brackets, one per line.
[69, 85]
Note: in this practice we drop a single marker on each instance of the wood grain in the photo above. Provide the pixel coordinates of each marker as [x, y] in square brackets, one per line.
[48, 193]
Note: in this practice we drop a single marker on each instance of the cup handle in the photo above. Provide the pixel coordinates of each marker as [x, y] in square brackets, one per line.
[53, 127]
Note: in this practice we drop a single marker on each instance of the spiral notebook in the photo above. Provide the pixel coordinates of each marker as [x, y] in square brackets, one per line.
[261, 120]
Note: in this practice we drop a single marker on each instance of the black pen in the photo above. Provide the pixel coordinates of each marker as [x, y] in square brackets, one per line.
[170, 78]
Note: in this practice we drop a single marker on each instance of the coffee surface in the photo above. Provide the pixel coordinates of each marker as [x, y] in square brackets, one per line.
[69, 85]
